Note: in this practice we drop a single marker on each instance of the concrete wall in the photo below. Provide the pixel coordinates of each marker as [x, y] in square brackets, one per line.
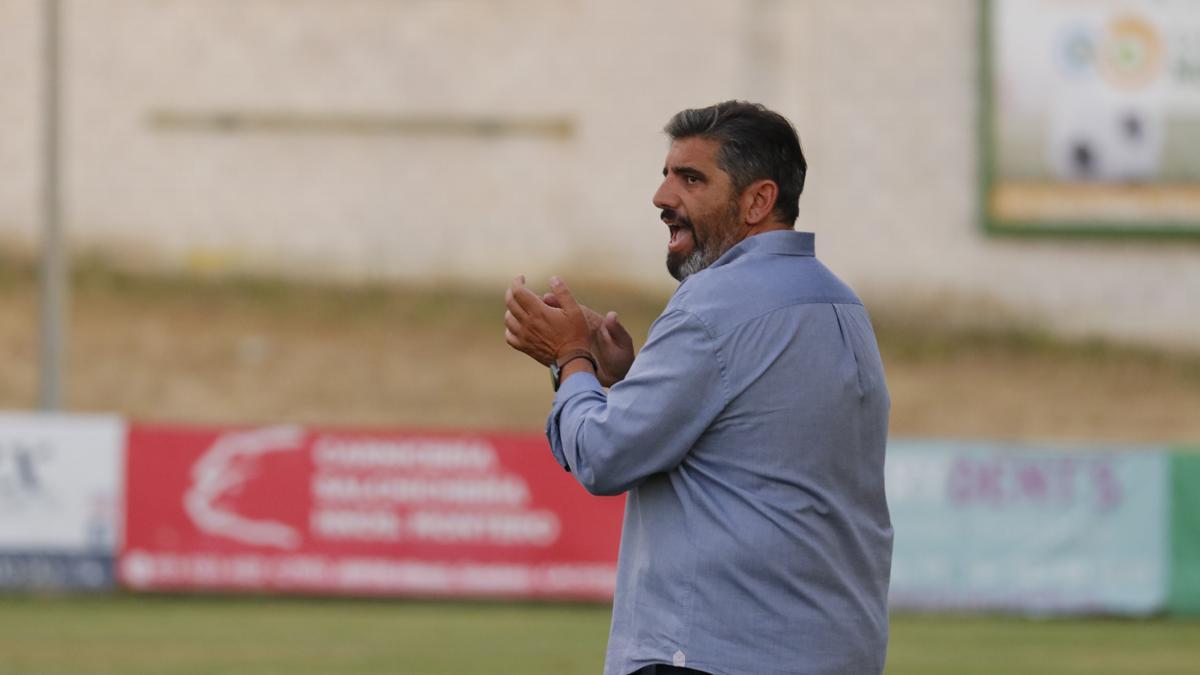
[556, 151]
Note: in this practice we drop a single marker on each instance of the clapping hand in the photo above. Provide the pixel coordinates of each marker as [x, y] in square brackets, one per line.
[610, 342]
[555, 323]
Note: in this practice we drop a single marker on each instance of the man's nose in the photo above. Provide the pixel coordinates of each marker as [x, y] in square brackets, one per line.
[665, 198]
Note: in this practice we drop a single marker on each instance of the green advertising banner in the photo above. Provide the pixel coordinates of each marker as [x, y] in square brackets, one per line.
[982, 526]
[1184, 595]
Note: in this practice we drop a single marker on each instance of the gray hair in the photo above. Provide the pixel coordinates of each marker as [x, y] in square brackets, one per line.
[755, 143]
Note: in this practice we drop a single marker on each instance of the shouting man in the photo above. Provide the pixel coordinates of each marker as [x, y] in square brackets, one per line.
[749, 432]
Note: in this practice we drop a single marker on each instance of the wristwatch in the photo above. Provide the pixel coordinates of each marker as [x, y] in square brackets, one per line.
[561, 362]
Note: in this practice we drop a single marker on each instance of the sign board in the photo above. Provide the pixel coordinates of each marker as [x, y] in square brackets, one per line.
[60, 499]
[1021, 528]
[1184, 587]
[1090, 118]
[362, 512]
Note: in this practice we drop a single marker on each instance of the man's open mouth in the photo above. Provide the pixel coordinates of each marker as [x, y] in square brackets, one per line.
[681, 238]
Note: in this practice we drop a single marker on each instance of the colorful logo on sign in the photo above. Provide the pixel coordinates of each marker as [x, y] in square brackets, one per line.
[1131, 55]
[1128, 52]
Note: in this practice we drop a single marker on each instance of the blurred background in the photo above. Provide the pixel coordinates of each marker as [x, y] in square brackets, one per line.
[225, 215]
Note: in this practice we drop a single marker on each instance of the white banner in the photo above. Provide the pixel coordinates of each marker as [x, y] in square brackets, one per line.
[61, 483]
[1095, 115]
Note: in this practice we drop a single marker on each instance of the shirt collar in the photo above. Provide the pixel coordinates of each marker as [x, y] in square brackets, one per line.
[775, 242]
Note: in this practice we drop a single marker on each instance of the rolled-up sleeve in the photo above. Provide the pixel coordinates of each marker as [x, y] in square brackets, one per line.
[647, 423]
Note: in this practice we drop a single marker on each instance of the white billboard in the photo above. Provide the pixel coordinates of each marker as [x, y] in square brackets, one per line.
[1093, 116]
[61, 496]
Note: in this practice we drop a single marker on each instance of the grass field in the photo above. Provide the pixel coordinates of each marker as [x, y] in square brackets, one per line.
[259, 636]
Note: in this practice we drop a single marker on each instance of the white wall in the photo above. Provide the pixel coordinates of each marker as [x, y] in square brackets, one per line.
[19, 100]
[884, 95]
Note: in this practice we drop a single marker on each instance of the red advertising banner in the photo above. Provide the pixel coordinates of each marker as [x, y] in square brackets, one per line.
[362, 512]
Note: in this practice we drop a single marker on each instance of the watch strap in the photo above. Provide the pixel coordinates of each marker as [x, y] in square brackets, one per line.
[563, 359]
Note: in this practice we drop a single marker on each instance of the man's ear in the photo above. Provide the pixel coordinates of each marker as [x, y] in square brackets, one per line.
[758, 201]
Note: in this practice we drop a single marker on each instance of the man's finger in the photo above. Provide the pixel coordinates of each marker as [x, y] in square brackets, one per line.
[563, 294]
[511, 323]
[510, 302]
[511, 339]
[608, 336]
[523, 298]
[616, 330]
[605, 335]
[550, 300]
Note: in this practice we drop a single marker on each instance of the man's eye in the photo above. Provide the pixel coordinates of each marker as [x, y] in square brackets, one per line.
[691, 180]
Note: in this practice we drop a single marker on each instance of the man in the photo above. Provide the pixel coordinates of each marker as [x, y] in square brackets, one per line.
[749, 432]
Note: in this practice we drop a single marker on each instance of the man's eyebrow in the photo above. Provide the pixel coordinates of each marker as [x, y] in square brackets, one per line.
[687, 171]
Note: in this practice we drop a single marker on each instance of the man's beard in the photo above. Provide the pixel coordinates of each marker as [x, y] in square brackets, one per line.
[719, 237]
[693, 262]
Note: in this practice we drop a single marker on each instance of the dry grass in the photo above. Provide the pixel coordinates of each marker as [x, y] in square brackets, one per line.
[158, 348]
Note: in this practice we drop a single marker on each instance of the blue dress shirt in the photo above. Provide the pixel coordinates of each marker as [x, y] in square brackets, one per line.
[750, 436]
